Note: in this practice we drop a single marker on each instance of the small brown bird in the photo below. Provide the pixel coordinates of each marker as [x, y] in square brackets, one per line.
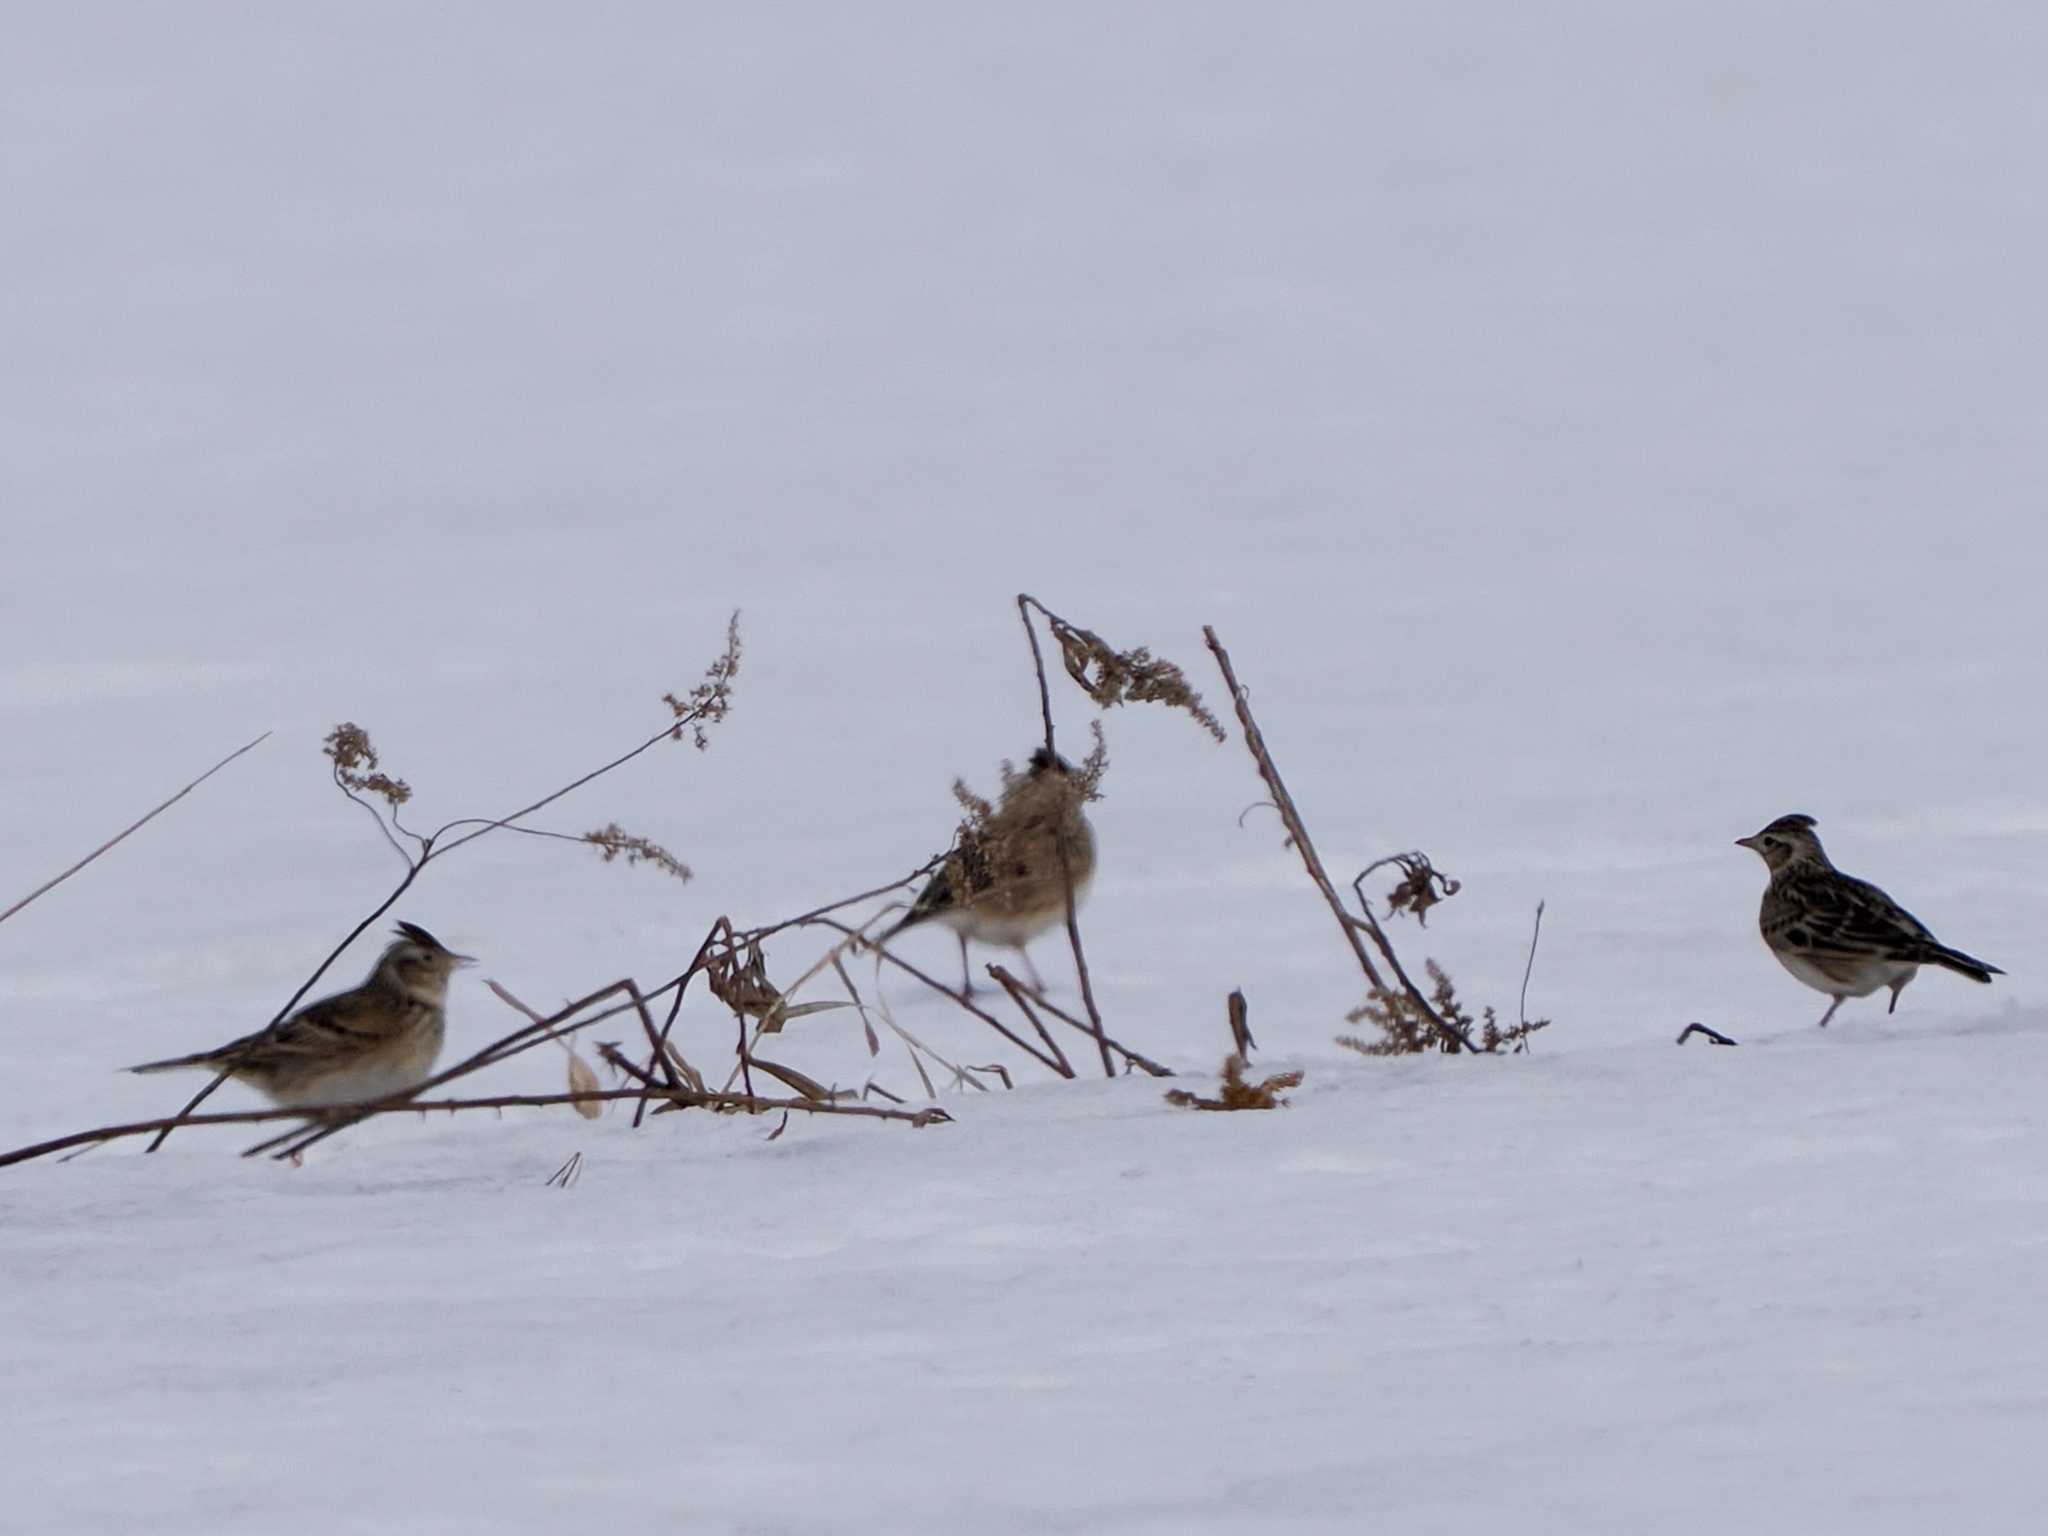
[381, 1038]
[1003, 884]
[1838, 934]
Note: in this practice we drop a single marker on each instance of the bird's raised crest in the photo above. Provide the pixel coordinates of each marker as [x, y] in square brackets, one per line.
[1798, 821]
[419, 935]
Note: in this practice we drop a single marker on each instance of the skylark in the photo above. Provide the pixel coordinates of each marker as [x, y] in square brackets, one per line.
[1838, 934]
[381, 1038]
[1003, 883]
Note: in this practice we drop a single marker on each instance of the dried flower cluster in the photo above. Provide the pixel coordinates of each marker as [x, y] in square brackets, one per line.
[1407, 1027]
[1111, 677]
[711, 700]
[1421, 887]
[614, 841]
[356, 768]
[1234, 1092]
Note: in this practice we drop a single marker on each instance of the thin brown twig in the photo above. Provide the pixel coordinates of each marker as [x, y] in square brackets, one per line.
[682, 985]
[1528, 970]
[134, 826]
[1022, 999]
[1131, 1058]
[755, 935]
[1297, 832]
[686, 1098]
[1025, 603]
[1052, 1063]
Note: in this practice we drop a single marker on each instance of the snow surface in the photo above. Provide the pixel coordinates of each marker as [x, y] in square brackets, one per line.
[1594, 429]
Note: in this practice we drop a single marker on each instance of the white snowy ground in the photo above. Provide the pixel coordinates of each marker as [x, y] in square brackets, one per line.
[1595, 431]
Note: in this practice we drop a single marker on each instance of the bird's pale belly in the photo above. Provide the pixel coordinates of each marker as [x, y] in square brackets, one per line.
[393, 1070]
[1846, 977]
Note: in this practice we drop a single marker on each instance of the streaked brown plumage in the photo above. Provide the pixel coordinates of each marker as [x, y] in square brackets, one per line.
[379, 1038]
[1004, 884]
[1838, 934]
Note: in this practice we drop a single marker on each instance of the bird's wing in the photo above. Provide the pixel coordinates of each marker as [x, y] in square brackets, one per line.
[333, 1026]
[967, 864]
[1836, 914]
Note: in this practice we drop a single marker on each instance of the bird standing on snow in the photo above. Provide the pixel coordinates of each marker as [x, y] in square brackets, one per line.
[1838, 934]
[381, 1038]
[1003, 883]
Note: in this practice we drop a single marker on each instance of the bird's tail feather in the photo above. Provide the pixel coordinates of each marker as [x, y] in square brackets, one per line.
[1962, 964]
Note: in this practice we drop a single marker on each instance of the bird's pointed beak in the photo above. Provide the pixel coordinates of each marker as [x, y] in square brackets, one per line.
[1748, 842]
[463, 960]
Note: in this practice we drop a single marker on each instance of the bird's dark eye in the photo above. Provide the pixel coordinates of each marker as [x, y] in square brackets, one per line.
[1771, 842]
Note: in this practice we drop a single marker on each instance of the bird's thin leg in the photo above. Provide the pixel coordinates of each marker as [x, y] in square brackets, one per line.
[1037, 984]
[966, 976]
[1897, 988]
[1831, 1012]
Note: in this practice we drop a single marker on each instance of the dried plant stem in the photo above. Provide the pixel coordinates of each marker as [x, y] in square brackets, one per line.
[1297, 832]
[1050, 1061]
[681, 985]
[1022, 999]
[1290, 815]
[639, 1007]
[924, 870]
[134, 826]
[1133, 1058]
[1528, 970]
[1025, 603]
[681, 1098]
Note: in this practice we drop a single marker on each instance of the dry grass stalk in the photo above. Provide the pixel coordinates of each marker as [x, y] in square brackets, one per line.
[1021, 996]
[566, 1175]
[1133, 1060]
[1301, 842]
[1234, 1092]
[885, 957]
[56, 880]
[663, 1097]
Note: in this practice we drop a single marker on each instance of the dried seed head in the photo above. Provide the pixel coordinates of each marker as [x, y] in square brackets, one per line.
[711, 700]
[1111, 677]
[615, 841]
[355, 765]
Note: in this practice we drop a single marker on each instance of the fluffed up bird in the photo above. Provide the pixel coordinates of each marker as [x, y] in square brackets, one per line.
[1003, 883]
[380, 1038]
[1838, 934]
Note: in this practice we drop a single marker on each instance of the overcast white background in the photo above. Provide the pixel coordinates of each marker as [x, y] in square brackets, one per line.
[1595, 430]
